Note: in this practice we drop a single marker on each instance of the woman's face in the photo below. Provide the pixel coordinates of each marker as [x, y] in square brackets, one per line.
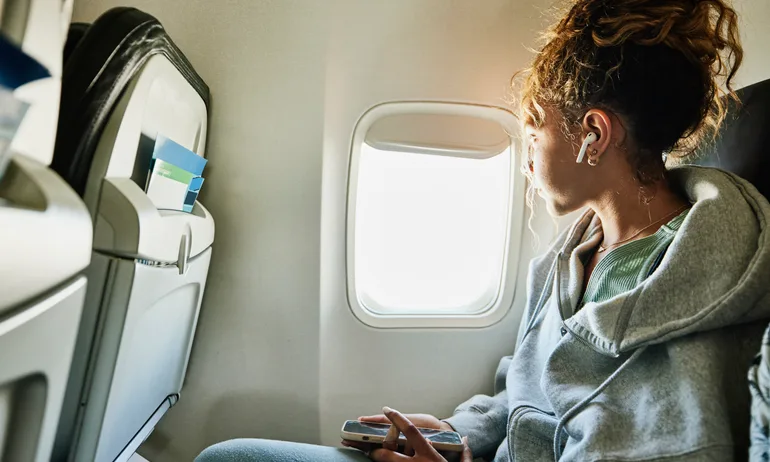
[564, 184]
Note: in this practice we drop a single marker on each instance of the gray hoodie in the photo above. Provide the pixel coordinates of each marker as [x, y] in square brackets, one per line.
[656, 373]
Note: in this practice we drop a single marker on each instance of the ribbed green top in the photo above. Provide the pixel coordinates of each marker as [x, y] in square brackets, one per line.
[625, 267]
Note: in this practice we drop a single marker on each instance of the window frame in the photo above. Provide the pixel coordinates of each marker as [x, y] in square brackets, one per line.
[514, 228]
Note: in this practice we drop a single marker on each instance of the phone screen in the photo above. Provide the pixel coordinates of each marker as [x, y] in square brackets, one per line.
[380, 430]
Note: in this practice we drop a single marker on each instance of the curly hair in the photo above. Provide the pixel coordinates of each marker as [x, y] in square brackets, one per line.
[662, 66]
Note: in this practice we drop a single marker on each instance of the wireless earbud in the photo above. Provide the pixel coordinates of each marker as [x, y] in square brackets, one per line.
[590, 138]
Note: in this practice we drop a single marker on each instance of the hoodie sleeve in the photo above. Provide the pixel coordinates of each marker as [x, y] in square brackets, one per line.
[483, 418]
[759, 385]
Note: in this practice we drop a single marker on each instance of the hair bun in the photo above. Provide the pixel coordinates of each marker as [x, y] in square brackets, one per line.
[663, 65]
[688, 26]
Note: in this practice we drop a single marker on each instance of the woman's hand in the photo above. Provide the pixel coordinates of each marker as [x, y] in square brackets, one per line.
[423, 450]
[419, 420]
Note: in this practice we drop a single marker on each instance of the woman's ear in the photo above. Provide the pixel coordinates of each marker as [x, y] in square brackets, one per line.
[600, 123]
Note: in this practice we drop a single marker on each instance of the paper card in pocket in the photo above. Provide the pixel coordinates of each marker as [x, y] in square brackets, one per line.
[12, 111]
[172, 152]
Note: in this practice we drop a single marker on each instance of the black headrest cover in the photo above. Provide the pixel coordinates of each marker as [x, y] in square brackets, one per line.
[74, 35]
[98, 68]
[744, 140]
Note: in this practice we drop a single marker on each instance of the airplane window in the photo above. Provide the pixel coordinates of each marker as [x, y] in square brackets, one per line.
[430, 231]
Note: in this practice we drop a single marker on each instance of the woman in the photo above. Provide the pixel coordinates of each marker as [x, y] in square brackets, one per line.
[642, 318]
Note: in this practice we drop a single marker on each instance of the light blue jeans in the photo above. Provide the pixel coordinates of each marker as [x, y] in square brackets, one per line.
[255, 450]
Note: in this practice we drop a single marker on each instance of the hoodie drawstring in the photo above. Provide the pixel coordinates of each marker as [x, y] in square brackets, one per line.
[585, 401]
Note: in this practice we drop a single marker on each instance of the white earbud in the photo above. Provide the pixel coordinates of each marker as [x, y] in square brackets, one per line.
[590, 138]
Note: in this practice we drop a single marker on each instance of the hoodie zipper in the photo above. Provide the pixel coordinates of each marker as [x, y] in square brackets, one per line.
[581, 404]
[561, 313]
[557, 284]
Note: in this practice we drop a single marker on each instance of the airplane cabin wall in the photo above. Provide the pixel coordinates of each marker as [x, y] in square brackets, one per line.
[278, 353]
[390, 51]
[754, 16]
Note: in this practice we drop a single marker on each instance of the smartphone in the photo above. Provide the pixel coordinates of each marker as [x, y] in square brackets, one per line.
[369, 432]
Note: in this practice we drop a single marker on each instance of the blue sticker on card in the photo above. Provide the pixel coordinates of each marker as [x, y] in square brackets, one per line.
[172, 152]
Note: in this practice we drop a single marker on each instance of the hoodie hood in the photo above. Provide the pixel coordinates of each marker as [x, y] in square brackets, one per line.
[715, 273]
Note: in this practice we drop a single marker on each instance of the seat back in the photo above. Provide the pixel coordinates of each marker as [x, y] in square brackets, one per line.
[742, 145]
[103, 60]
[126, 86]
[74, 35]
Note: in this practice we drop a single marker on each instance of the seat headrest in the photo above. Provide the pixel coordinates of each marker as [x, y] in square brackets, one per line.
[101, 60]
[744, 139]
[74, 35]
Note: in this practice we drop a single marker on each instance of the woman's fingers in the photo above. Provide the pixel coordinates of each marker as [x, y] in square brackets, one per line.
[391, 439]
[379, 418]
[412, 434]
[467, 454]
[408, 449]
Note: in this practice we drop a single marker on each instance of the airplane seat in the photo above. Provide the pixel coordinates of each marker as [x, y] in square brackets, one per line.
[45, 233]
[741, 147]
[74, 35]
[125, 88]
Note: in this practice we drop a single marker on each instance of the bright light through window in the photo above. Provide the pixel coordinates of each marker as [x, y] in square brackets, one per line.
[430, 231]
